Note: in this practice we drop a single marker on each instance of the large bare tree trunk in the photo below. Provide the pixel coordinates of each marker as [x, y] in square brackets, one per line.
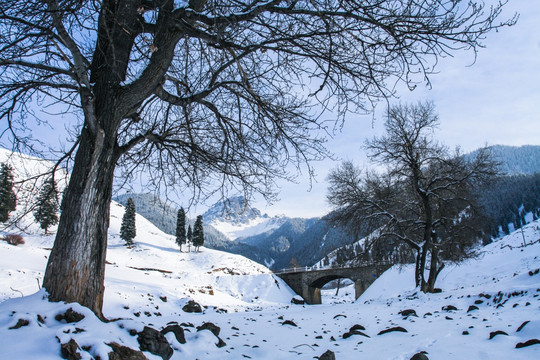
[76, 267]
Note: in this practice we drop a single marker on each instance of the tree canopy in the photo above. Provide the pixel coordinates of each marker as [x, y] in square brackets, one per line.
[424, 197]
[202, 95]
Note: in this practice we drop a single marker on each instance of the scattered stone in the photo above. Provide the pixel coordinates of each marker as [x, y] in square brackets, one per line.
[437, 291]
[472, 307]
[332, 338]
[354, 332]
[163, 298]
[465, 332]
[396, 328]
[495, 333]
[154, 342]
[428, 314]
[407, 312]
[522, 326]
[328, 355]
[192, 307]
[448, 318]
[70, 316]
[318, 337]
[70, 350]
[297, 300]
[40, 319]
[478, 302]
[210, 326]
[20, 323]
[527, 343]
[121, 352]
[177, 330]
[289, 322]
[420, 356]
[357, 327]
[220, 342]
[449, 308]
[340, 315]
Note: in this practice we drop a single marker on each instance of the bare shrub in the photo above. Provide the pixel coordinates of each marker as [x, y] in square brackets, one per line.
[14, 239]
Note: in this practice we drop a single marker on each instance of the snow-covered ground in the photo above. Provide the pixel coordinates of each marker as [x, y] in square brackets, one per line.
[499, 283]
[495, 295]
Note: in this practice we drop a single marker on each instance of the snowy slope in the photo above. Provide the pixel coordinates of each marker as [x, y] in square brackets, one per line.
[149, 284]
[502, 283]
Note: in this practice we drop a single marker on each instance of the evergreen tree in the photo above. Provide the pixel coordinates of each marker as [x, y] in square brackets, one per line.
[198, 233]
[181, 228]
[8, 200]
[127, 230]
[46, 212]
[189, 237]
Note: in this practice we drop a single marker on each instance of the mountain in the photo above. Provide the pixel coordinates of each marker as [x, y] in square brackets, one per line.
[516, 160]
[235, 218]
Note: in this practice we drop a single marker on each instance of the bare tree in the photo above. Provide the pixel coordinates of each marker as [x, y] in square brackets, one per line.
[423, 198]
[203, 94]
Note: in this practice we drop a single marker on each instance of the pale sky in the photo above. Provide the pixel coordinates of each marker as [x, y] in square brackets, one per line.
[493, 101]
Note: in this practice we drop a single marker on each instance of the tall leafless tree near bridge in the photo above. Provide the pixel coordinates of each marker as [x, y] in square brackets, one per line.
[203, 93]
[423, 198]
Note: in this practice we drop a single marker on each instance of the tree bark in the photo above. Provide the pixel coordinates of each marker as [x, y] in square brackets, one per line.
[78, 255]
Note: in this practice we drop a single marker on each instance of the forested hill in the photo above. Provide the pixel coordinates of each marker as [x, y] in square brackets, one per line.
[516, 160]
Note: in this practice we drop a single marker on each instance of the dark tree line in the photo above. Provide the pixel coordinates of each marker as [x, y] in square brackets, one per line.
[8, 199]
[506, 199]
[203, 95]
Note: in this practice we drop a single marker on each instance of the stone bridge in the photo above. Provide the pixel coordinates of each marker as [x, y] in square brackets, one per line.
[307, 282]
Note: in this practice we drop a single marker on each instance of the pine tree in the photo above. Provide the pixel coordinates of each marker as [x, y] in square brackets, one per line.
[46, 212]
[189, 237]
[181, 228]
[198, 233]
[8, 200]
[127, 230]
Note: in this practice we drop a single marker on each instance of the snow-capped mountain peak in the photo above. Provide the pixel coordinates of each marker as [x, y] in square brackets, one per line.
[235, 218]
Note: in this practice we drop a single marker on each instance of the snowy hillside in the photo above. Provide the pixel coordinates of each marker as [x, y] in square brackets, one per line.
[488, 307]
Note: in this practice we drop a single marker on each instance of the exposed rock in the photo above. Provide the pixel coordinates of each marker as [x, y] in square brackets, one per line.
[70, 316]
[396, 328]
[328, 355]
[154, 342]
[420, 356]
[121, 352]
[220, 342]
[192, 307]
[210, 326]
[522, 326]
[465, 332]
[449, 308]
[288, 322]
[357, 327]
[495, 333]
[178, 332]
[70, 350]
[297, 300]
[527, 343]
[20, 324]
[408, 312]
[340, 315]
[354, 332]
[472, 307]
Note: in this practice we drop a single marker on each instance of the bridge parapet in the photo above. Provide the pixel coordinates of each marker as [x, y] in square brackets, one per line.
[307, 282]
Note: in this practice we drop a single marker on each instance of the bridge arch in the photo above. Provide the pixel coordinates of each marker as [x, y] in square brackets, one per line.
[316, 286]
[308, 282]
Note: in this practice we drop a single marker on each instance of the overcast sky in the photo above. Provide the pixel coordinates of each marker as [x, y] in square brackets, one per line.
[493, 101]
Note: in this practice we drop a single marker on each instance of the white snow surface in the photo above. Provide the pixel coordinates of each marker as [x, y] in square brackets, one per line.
[149, 284]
